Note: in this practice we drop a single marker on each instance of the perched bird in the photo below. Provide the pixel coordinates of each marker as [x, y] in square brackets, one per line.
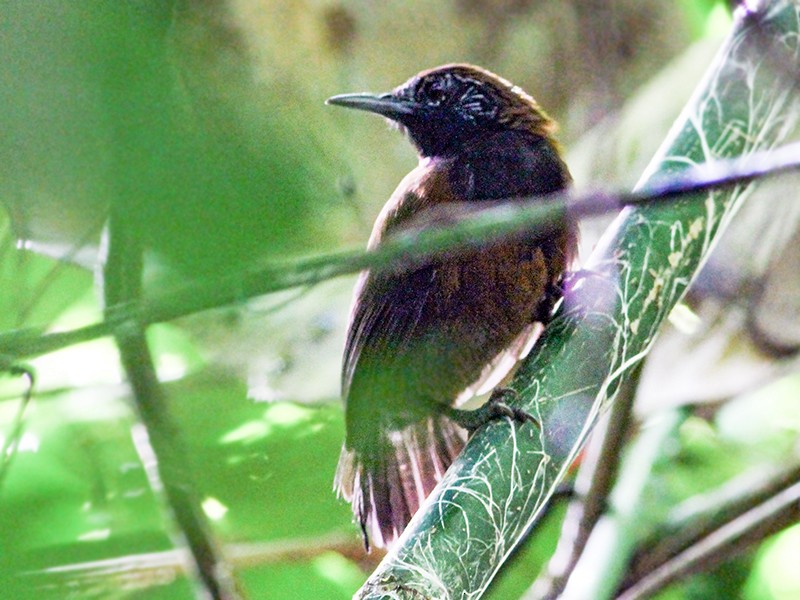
[418, 339]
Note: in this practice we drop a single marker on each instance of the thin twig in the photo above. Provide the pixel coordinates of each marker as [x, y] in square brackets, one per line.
[697, 519]
[604, 558]
[599, 467]
[149, 570]
[749, 528]
[484, 222]
[9, 447]
[160, 441]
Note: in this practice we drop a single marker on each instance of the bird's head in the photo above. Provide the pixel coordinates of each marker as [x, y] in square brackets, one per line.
[446, 109]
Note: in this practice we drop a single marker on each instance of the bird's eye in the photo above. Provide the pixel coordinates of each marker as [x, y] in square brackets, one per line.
[435, 92]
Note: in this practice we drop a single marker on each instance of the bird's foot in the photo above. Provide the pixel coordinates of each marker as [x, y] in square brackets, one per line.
[560, 289]
[495, 408]
[572, 278]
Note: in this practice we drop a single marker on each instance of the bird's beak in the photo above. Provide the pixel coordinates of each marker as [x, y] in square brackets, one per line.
[388, 105]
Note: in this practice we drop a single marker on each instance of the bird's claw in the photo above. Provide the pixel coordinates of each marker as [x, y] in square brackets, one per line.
[572, 278]
[495, 408]
[498, 406]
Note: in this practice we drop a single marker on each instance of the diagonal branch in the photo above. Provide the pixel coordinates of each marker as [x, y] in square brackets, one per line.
[746, 523]
[482, 222]
[506, 474]
[595, 480]
[159, 441]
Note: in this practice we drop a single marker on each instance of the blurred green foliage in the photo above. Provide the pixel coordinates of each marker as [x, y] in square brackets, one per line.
[97, 110]
[205, 122]
[78, 491]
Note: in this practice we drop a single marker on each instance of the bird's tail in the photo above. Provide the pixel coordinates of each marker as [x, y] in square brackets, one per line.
[387, 482]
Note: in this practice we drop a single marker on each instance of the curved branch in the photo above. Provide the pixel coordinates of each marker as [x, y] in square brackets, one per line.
[499, 485]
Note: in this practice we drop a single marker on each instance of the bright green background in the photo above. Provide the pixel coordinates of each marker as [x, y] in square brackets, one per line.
[209, 120]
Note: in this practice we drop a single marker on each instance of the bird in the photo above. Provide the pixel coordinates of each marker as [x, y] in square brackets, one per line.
[419, 340]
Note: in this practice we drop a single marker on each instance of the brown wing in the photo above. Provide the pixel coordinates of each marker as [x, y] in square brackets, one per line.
[387, 307]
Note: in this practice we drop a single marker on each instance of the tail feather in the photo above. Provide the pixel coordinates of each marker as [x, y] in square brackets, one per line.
[387, 482]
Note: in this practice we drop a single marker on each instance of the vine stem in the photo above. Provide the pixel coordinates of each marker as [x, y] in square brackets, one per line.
[483, 222]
